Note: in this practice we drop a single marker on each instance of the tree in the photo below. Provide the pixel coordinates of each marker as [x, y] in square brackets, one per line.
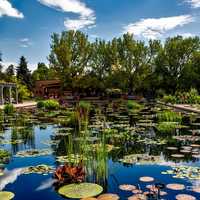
[10, 73]
[41, 73]
[23, 73]
[69, 57]
[135, 59]
[173, 59]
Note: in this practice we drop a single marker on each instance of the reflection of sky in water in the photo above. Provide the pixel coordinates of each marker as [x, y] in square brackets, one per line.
[26, 186]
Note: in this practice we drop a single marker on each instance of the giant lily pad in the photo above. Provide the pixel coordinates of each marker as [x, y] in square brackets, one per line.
[82, 190]
[6, 195]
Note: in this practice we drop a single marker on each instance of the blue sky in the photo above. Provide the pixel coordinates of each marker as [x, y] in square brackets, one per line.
[26, 25]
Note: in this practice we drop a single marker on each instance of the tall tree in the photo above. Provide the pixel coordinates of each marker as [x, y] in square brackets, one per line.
[9, 73]
[23, 73]
[70, 54]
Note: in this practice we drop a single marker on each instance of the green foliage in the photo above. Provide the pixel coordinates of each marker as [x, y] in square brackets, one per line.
[23, 92]
[9, 109]
[169, 116]
[191, 97]
[169, 99]
[85, 105]
[48, 104]
[166, 127]
[133, 105]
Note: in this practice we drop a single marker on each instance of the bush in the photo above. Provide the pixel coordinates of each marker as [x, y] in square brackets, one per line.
[48, 104]
[191, 97]
[9, 109]
[133, 105]
[169, 99]
[40, 104]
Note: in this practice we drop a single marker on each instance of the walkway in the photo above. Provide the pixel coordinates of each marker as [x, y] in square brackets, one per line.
[26, 104]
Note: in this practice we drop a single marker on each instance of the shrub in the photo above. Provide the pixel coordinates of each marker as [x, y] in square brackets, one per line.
[169, 116]
[133, 105]
[48, 104]
[9, 109]
[40, 104]
[169, 99]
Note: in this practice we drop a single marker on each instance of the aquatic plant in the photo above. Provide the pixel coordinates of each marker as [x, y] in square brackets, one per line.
[8, 109]
[70, 174]
[166, 127]
[82, 190]
[169, 116]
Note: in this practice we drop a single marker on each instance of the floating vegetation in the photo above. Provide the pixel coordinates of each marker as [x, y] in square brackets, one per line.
[33, 153]
[72, 158]
[108, 196]
[177, 155]
[146, 179]
[39, 169]
[138, 197]
[172, 148]
[185, 197]
[11, 142]
[109, 147]
[187, 138]
[82, 190]
[50, 142]
[140, 159]
[4, 195]
[175, 186]
[188, 172]
[127, 187]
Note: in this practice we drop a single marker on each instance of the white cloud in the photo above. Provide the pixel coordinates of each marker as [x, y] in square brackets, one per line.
[153, 28]
[186, 35]
[25, 42]
[194, 3]
[76, 24]
[87, 16]
[6, 9]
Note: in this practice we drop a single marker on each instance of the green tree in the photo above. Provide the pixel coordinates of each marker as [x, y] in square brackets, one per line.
[23, 73]
[69, 57]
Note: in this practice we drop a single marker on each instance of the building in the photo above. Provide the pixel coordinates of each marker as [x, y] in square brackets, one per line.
[47, 89]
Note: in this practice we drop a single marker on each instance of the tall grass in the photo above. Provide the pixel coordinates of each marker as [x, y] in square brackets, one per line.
[169, 116]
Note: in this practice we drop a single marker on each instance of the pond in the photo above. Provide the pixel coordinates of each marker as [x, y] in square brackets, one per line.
[119, 145]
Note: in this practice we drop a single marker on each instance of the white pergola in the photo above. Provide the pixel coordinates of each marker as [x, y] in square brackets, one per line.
[8, 86]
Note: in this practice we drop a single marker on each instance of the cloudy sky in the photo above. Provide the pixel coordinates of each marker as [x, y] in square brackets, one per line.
[26, 25]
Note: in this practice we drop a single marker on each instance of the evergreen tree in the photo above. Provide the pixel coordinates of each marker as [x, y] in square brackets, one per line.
[23, 73]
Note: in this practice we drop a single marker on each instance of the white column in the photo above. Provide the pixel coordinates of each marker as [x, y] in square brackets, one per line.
[2, 99]
[16, 92]
[10, 94]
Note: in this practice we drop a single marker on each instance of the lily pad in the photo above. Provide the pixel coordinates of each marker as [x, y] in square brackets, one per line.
[175, 186]
[146, 179]
[185, 197]
[108, 196]
[82, 190]
[127, 187]
[4, 195]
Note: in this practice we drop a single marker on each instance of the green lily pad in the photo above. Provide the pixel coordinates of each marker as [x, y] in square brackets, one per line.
[6, 195]
[82, 190]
